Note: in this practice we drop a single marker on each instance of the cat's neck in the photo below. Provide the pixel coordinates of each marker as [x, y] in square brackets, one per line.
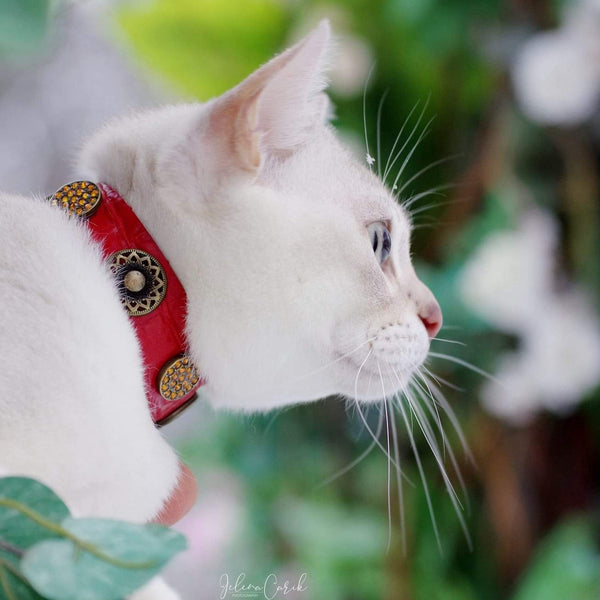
[135, 167]
[167, 227]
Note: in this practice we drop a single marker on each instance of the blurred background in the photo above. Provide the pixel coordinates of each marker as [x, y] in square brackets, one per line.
[506, 197]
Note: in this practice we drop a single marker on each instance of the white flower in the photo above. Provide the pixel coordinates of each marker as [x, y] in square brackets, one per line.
[564, 348]
[353, 59]
[558, 363]
[556, 77]
[370, 159]
[509, 273]
[509, 281]
[515, 398]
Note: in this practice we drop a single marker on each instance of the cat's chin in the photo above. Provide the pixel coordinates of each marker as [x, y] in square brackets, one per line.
[372, 384]
[375, 382]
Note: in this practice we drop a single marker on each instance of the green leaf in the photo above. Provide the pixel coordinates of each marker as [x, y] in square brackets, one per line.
[22, 24]
[567, 565]
[12, 583]
[105, 559]
[15, 527]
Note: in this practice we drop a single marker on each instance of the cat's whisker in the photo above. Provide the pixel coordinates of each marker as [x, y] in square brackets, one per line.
[423, 221]
[428, 192]
[356, 403]
[426, 208]
[360, 368]
[425, 394]
[390, 165]
[333, 362]
[431, 403]
[441, 380]
[369, 384]
[430, 206]
[452, 417]
[276, 414]
[434, 191]
[387, 162]
[445, 406]
[365, 113]
[356, 461]
[400, 407]
[375, 439]
[379, 109]
[422, 135]
[430, 438]
[431, 441]
[438, 339]
[423, 226]
[399, 489]
[423, 422]
[424, 170]
[467, 365]
[387, 426]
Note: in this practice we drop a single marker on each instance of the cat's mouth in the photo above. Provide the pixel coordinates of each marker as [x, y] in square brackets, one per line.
[394, 350]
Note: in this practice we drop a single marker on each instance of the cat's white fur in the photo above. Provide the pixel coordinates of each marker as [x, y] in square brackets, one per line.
[263, 215]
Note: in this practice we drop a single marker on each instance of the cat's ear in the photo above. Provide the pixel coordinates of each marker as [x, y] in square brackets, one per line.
[276, 108]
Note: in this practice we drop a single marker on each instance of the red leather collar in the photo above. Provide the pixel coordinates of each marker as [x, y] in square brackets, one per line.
[157, 311]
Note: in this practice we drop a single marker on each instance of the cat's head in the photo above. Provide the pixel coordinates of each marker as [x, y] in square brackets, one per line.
[295, 257]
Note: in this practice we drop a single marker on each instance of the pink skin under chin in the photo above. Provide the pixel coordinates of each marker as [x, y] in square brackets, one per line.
[181, 500]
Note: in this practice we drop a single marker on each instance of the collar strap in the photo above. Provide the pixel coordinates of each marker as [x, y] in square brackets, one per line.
[150, 292]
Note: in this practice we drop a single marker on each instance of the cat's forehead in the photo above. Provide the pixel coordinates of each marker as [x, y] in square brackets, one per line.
[326, 172]
[380, 207]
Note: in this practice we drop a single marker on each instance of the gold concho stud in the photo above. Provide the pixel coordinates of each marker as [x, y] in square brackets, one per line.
[79, 198]
[177, 378]
[141, 279]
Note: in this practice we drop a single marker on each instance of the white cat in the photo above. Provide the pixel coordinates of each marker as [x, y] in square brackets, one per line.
[294, 256]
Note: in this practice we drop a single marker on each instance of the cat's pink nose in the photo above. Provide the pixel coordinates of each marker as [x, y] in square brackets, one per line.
[431, 315]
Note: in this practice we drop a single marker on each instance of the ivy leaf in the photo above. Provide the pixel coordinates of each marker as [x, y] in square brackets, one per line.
[15, 527]
[102, 560]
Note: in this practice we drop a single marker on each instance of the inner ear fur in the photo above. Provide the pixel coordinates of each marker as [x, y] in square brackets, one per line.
[277, 106]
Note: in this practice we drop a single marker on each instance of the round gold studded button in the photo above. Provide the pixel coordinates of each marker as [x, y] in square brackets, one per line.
[134, 281]
[79, 198]
[178, 378]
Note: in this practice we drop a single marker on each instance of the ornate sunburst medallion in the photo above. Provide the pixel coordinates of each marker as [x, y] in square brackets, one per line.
[141, 279]
[177, 378]
[79, 198]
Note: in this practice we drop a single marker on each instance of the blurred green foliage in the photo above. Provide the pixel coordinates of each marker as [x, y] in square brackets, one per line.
[566, 564]
[23, 25]
[454, 53]
[181, 39]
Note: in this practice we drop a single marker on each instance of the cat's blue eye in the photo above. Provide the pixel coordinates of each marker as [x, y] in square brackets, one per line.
[381, 241]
